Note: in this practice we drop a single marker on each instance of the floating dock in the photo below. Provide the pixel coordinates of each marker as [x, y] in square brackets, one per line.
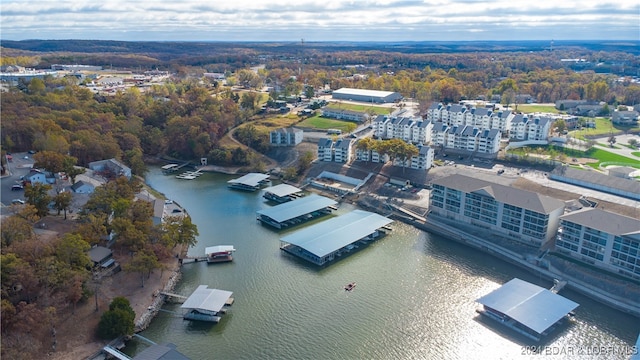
[326, 241]
[296, 212]
[249, 182]
[526, 308]
[206, 304]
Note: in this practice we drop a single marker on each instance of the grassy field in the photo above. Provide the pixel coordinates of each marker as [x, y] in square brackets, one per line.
[603, 127]
[362, 108]
[538, 108]
[601, 155]
[275, 122]
[322, 123]
[636, 153]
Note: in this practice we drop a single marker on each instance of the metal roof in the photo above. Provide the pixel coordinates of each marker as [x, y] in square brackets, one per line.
[531, 305]
[328, 236]
[298, 207]
[219, 249]
[207, 299]
[363, 92]
[161, 352]
[282, 190]
[251, 179]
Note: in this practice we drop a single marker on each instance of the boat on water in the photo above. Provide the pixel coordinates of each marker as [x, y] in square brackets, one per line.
[350, 286]
[220, 253]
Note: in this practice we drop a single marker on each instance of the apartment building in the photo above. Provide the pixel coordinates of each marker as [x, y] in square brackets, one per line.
[521, 215]
[285, 137]
[325, 149]
[601, 238]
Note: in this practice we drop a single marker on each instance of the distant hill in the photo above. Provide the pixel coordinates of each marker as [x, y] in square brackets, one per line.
[168, 50]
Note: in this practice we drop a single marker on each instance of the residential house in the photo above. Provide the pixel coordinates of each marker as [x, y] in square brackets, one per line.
[110, 168]
[81, 187]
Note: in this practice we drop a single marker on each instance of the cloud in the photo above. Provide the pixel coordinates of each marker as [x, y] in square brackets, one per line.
[320, 20]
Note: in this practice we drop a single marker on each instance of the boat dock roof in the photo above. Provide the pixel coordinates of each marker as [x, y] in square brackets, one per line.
[207, 299]
[282, 190]
[293, 209]
[530, 305]
[219, 249]
[328, 236]
[250, 180]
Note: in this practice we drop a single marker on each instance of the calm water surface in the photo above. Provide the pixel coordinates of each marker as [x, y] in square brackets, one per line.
[415, 297]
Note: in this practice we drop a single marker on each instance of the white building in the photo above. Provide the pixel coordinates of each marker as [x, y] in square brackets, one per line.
[520, 215]
[325, 149]
[601, 238]
[285, 137]
[369, 96]
[342, 151]
[488, 141]
[342, 114]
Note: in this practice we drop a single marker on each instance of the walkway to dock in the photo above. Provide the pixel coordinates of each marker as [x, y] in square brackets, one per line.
[191, 259]
[176, 297]
[558, 285]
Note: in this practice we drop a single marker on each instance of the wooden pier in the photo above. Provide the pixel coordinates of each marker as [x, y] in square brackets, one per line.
[175, 297]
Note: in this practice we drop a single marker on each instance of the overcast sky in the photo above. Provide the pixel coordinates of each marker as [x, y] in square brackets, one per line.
[320, 20]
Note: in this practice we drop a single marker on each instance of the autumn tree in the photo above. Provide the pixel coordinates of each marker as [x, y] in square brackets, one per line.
[36, 195]
[143, 262]
[62, 201]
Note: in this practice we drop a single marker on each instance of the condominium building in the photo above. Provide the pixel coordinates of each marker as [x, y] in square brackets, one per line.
[342, 151]
[521, 215]
[285, 137]
[325, 149]
[601, 238]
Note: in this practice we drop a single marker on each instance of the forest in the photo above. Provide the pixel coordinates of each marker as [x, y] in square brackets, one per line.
[189, 116]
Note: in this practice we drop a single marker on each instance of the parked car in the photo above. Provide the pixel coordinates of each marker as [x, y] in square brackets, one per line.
[17, 187]
[17, 201]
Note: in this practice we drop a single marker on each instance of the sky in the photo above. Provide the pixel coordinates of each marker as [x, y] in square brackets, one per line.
[320, 20]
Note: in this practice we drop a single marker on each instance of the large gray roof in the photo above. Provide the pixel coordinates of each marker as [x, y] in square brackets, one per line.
[161, 352]
[282, 190]
[531, 305]
[328, 236]
[298, 207]
[505, 194]
[594, 177]
[606, 221]
[251, 179]
[207, 299]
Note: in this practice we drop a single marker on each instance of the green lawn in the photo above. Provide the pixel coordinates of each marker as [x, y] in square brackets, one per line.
[636, 153]
[538, 108]
[603, 156]
[322, 123]
[362, 108]
[603, 127]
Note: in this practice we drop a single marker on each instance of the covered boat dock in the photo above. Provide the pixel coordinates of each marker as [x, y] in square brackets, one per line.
[220, 253]
[297, 211]
[324, 242]
[206, 304]
[249, 182]
[528, 309]
[282, 193]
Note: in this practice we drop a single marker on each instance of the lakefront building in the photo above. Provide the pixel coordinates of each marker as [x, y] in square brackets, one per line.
[601, 238]
[285, 137]
[521, 215]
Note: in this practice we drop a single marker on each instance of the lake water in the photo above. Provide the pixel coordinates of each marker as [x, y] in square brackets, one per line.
[415, 297]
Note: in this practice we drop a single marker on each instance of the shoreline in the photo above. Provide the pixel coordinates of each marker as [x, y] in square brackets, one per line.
[438, 228]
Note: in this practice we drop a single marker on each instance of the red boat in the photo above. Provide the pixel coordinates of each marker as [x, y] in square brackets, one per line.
[350, 286]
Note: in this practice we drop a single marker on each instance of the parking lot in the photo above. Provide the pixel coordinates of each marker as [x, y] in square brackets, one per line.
[19, 166]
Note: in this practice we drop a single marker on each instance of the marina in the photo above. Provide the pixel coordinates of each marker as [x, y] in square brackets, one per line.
[324, 242]
[297, 212]
[415, 296]
[189, 175]
[220, 253]
[250, 182]
[282, 193]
